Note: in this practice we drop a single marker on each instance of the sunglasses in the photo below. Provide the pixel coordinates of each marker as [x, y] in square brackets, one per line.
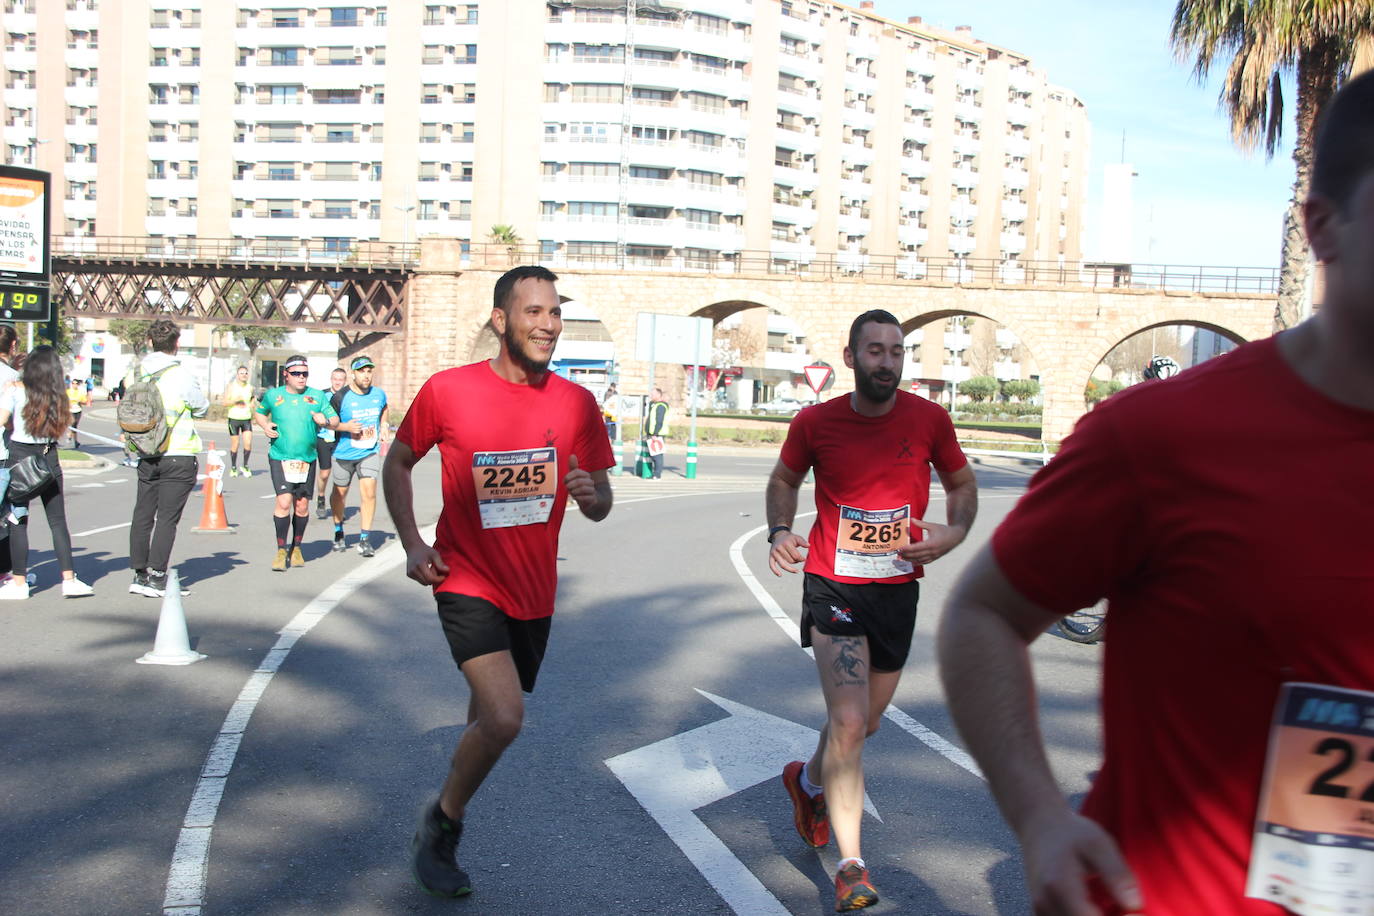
[298, 373]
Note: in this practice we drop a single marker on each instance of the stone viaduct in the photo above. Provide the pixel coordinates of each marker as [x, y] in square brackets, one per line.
[1069, 330]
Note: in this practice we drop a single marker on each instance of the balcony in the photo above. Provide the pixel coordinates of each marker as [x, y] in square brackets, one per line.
[1016, 179]
[968, 78]
[1021, 79]
[967, 144]
[915, 166]
[924, 64]
[1013, 242]
[1017, 146]
[802, 65]
[859, 118]
[856, 154]
[801, 250]
[852, 222]
[801, 215]
[851, 261]
[917, 131]
[961, 244]
[919, 98]
[1007, 370]
[968, 111]
[912, 234]
[956, 341]
[803, 179]
[964, 177]
[1014, 210]
[913, 201]
[854, 189]
[860, 81]
[1019, 114]
[955, 372]
[808, 30]
[804, 102]
[1005, 339]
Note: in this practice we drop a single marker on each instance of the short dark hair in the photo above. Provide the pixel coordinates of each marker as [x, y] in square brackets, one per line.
[164, 334]
[1344, 151]
[8, 338]
[500, 297]
[879, 316]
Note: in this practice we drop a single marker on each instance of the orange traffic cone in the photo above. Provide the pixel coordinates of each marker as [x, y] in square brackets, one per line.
[212, 517]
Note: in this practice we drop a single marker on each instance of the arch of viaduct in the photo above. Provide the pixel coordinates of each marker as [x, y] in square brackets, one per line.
[1068, 330]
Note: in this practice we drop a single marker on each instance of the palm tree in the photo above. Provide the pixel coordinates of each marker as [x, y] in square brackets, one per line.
[1314, 39]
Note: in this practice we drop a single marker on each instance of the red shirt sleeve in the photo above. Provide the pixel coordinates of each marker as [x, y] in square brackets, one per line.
[945, 453]
[420, 429]
[796, 448]
[1080, 527]
[593, 446]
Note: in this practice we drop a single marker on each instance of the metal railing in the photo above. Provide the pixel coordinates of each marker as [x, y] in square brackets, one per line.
[944, 271]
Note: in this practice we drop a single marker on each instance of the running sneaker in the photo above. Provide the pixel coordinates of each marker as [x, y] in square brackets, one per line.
[156, 585]
[365, 547]
[14, 589]
[244, 472]
[321, 510]
[279, 561]
[808, 813]
[339, 545]
[140, 583]
[75, 588]
[435, 852]
[853, 889]
[297, 558]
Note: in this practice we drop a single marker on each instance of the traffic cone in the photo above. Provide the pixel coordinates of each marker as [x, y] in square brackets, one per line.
[171, 646]
[212, 517]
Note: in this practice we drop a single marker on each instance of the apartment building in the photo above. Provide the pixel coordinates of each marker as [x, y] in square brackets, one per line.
[674, 132]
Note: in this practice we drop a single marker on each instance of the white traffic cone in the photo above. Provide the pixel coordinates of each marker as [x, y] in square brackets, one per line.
[171, 646]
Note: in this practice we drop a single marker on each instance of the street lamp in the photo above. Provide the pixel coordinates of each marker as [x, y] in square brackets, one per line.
[405, 225]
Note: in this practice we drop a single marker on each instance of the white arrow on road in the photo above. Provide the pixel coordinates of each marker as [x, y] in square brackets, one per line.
[673, 777]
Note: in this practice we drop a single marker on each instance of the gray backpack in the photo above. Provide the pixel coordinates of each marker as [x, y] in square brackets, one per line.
[142, 418]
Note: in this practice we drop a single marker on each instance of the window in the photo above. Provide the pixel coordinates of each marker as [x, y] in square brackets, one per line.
[188, 131]
[465, 171]
[662, 97]
[598, 54]
[283, 95]
[188, 94]
[464, 210]
[592, 209]
[591, 250]
[279, 133]
[160, 19]
[157, 95]
[432, 54]
[285, 19]
[157, 132]
[340, 133]
[702, 217]
[343, 16]
[338, 209]
[190, 57]
[334, 171]
[597, 92]
[654, 135]
[465, 133]
[703, 139]
[157, 57]
[430, 94]
[285, 57]
[337, 96]
[594, 169]
[429, 133]
[434, 15]
[375, 171]
[342, 57]
[281, 209]
[551, 92]
[468, 56]
[639, 211]
[548, 208]
[335, 245]
[429, 171]
[710, 179]
[469, 15]
[650, 173]
[466, 92]
[426, 210]
[281, 171]
[654, 57]
[782, 232]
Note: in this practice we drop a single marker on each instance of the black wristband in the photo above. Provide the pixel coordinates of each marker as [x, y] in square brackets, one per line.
[773, 532]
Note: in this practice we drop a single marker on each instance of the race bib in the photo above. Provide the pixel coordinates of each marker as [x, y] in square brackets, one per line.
[366, 438]
[1313, 850]
[867, 541]
[295, 471]
[515, 488]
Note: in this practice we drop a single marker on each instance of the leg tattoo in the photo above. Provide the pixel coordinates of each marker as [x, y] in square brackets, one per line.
[848, 666]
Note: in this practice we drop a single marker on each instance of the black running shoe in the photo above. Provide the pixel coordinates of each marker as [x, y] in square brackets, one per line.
[321, 510]
[435, 851]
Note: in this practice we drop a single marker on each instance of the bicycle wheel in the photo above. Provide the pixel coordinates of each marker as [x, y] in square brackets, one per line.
[1086, 626]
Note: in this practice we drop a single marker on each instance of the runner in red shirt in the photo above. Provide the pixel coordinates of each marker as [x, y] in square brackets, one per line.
[516, 442]
[1226, 516]
[872, 452]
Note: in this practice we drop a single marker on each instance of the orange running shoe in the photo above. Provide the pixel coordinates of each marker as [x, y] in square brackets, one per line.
[853, 890]
[807, 813]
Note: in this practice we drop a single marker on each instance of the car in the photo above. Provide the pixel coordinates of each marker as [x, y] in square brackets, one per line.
[781, 407]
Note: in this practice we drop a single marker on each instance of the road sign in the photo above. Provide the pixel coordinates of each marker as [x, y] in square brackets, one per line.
[820, 377]
[672, 338]
[674, 777]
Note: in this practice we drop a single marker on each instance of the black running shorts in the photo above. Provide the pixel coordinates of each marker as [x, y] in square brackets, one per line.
[239, 427]
[303, 490]
[475, 626]
[324, 453]
[884, 613]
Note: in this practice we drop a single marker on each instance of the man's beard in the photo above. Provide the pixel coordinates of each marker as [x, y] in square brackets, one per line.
[528, 364]
[873, 389]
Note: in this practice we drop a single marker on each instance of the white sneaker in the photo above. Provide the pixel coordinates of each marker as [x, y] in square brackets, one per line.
[14, 590]
[75, 588]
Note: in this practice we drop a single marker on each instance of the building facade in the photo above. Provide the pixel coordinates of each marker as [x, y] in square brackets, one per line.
[669, 131]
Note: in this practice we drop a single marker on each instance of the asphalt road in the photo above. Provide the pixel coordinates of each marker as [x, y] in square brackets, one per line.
[288, 781]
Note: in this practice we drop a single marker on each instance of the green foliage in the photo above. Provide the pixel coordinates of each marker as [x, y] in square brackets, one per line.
[132, 333]
[1098, 390]
[254, 336]
[504, 234]
[997, 410]
[980, 387]
[1021, 389]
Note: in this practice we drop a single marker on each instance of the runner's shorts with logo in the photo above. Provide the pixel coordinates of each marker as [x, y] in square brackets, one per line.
[883, 612]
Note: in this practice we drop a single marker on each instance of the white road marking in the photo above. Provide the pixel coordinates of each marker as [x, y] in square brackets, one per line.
[82, 534]
[926, 736]
[186, 877]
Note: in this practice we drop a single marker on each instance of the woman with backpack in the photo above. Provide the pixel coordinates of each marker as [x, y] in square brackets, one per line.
[42, 414]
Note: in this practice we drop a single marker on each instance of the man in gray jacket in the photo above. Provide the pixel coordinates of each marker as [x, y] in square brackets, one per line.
[165, 480]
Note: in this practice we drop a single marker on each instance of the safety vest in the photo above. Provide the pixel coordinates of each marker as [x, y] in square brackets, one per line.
[183, 438]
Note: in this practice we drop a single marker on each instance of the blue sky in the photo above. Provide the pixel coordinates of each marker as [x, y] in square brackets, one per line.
[1198, 198]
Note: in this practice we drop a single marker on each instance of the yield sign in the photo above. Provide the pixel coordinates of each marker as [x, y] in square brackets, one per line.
[818, 376]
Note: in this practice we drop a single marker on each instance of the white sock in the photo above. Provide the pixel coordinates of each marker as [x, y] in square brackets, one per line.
[809, 787]
[853, 860]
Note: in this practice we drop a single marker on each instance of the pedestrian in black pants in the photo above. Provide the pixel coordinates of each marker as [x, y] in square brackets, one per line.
[164, 480]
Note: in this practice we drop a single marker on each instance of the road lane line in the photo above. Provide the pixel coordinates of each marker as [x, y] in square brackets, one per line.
[906, 723]
[82, 534]
[185, 893]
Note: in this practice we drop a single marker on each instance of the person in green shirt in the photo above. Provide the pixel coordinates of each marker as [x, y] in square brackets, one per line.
[291, 415]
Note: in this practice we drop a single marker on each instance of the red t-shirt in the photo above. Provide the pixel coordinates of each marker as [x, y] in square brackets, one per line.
[1226, 515]
[872, 477]
[505, 450]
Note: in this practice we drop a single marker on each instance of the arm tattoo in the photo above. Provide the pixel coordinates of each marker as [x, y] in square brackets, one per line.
[848, 666]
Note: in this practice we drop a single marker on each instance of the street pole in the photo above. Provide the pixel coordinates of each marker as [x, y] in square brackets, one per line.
[646, 469]
[692, 436]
